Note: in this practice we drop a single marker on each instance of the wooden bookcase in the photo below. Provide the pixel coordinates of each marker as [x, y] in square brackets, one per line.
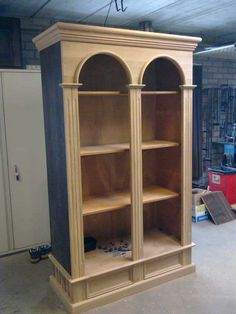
[118, 114]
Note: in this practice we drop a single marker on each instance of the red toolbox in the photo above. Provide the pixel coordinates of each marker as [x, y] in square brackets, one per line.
[223, 179]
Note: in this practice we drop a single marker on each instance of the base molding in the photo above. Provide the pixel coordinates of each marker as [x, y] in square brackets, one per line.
[85, 305]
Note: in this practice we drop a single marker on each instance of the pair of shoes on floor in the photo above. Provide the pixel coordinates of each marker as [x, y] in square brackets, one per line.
[40, 252]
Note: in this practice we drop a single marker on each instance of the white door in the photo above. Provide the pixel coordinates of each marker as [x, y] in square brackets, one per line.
[26, 157]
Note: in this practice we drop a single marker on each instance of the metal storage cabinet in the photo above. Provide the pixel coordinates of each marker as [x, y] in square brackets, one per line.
[24, 198]
[118, 117]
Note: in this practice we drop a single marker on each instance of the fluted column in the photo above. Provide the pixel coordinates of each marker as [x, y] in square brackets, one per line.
[186, 189]
[136, 169]
[74, 185]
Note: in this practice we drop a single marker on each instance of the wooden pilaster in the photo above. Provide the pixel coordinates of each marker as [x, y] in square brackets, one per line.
[136, 169]
[186, 191]
[72, 134]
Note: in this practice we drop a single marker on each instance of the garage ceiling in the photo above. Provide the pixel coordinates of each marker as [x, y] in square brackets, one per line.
[213, 20]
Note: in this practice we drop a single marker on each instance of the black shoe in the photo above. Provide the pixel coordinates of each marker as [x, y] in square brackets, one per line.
[34, 255]
[44, 250]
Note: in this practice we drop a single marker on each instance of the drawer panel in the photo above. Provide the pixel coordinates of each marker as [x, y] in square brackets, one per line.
[161, 265]
[108, 282]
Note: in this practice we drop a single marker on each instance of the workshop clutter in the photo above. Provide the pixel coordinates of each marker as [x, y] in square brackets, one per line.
[199, 210]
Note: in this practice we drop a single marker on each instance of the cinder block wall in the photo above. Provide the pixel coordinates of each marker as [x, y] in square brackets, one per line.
[216, 72]
[30, 27]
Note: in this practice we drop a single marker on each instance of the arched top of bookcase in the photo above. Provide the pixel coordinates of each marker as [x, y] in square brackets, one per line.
[162, 73]
[110, 72]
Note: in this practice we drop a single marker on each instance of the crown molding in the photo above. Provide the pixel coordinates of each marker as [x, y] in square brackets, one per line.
[113, 36]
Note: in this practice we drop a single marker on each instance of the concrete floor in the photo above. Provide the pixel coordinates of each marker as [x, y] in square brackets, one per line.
[24, 287]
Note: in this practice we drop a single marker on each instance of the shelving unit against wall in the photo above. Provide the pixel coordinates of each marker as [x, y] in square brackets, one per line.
[117, 106]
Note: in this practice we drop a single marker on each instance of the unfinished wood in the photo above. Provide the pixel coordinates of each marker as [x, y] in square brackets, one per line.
[71, 120]
[103, 149]
[108, 74]
[110, 282]
[149, 93]
[165, 216]
[100, 93]
[97, 261]
[162, 167]
[108, 225]
[135, 156]
[160, 265]
[186, 166]
[95, 302]
[136, 170]
[105, 174]
[156, 243]
[104, 120]
[113, 36]
[155, 144]
[118, 200]
[117, 148]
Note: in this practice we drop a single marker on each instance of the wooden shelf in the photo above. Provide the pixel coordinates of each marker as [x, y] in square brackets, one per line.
[155, 144]
[156, 243]
[114, 201]
[117, 148]
[102, 93]
[159, 92]
[103, 149]
[117, 93]
[98, 261]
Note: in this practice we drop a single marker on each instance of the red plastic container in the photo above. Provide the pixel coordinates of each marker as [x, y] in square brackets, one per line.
[223, 179]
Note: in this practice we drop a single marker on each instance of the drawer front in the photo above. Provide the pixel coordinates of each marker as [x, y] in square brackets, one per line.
[161, 265]
[107, 283]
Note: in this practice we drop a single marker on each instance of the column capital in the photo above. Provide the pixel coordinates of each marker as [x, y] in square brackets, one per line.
[191, 87]
[135, 86]
[71, 85]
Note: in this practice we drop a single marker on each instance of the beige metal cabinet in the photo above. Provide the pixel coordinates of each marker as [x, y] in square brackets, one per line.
[24, 168]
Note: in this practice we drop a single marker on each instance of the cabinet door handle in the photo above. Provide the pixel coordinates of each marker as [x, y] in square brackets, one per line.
[16, 172]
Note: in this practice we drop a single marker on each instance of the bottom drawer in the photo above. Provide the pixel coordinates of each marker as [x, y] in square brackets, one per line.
[161, 265]
[108, 282]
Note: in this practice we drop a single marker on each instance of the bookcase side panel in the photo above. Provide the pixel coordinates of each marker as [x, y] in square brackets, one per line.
[56, 153]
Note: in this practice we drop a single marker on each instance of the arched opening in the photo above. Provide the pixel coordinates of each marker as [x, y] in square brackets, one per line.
[161, 131]
[104, 72]
[105, 163]
[162, 74]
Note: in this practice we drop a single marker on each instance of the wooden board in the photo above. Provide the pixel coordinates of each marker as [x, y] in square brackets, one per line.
[117, 200]
[155, 243]
[116, 148]
[104, 120]
[218, 207]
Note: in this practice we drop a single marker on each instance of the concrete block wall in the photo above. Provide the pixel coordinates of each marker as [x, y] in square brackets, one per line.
[216, 72]
[31, 27]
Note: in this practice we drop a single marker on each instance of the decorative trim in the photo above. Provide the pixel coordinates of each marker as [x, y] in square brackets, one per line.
[191, 87]
[169, 58]
[71, 85]
[71, 116]
[186, 166]
[135, 86]
[115, 295]
[136, 169]
[113, 36]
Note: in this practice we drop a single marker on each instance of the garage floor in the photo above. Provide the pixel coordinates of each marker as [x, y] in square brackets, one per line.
[24, 287]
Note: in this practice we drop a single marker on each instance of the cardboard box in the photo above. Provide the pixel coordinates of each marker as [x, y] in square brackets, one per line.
[199, 210]
[199, 213]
